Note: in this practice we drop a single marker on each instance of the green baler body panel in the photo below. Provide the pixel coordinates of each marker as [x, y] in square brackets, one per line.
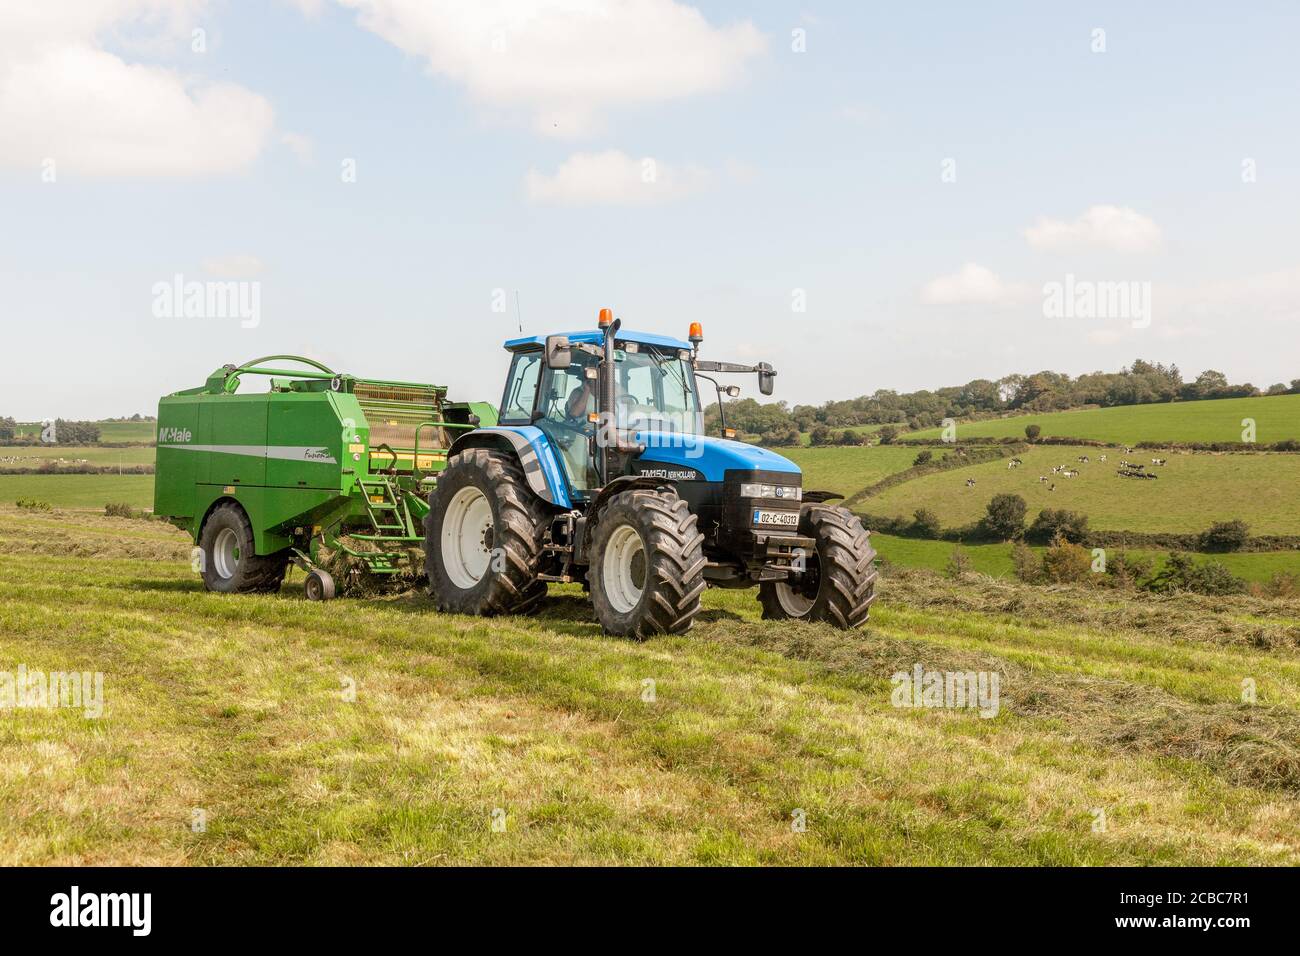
[291, 458]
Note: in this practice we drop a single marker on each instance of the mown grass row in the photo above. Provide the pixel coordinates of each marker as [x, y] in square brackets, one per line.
[239, 706]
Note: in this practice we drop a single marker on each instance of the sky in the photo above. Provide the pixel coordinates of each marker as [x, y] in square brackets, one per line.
[866, 195]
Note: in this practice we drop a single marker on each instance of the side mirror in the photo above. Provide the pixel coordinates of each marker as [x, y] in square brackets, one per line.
[766, 378]
[558, 354]
[733, 391]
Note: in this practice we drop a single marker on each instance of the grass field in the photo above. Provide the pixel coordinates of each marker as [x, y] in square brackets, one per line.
[237, 707]
[1276, 418]
[995, 559]
[1191, 492]
[34, 456]
[850, 469]
[108, 431]
[79, 492]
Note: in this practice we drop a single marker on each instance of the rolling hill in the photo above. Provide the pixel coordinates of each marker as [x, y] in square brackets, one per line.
[1191, 492]
[1276, 417]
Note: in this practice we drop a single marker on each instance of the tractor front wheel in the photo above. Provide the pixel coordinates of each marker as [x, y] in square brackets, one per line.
[483, 537]
[647, 564]
[839, 580]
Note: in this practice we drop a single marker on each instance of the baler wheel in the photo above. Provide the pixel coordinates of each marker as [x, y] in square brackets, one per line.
[231, 564]
[840, 583]
[319, 585]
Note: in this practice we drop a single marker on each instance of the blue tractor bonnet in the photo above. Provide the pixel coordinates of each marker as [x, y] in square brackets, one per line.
[712, 457]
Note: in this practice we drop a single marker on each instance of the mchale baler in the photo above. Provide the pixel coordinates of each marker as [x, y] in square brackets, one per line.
[324, 466]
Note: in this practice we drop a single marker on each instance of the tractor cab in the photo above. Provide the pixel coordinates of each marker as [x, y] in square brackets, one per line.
[655, 398]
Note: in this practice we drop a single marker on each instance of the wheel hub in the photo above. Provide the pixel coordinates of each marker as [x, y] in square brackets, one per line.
[467, 537]
[225, 553]
[623, 569]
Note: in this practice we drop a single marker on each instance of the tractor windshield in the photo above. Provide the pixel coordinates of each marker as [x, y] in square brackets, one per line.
[656, 391]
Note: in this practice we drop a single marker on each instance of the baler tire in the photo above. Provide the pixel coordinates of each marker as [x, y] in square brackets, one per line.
[672, 564]
[252, 573]
[319, 585]
[519, 520]
[846, 573]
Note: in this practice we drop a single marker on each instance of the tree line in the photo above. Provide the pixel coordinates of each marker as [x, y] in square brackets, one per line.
[1142, 383]
[65, 433]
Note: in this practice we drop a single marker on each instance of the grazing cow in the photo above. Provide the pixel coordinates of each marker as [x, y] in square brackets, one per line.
[1083, 458]
[1042, 478]
[970, 482]
[1052, 486]
[1102, 458]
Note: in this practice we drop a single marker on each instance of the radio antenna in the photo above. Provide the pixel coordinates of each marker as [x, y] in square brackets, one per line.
[519, 315]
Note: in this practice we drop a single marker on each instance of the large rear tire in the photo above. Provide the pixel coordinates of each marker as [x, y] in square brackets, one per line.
[840, 582]
[483, 537]
[231, 564]
[647, 564]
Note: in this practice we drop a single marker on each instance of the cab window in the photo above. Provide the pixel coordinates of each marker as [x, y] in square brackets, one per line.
[521, 388]
[567, 402]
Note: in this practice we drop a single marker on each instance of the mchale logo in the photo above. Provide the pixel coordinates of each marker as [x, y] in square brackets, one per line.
[175, 435]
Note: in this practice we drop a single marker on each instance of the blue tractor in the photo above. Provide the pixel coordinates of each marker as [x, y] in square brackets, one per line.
[599, 472]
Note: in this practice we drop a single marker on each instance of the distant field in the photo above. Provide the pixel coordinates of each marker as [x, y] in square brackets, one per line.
[1191, 492]
[1276, 418]
[108, 431]
[849, 469]
[34, 456]
[995, 559]
[79, 492]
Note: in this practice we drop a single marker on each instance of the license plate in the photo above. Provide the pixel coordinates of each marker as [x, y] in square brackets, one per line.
[786, 519]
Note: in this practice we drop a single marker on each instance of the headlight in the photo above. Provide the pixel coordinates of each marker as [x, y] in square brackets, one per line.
[790, 492]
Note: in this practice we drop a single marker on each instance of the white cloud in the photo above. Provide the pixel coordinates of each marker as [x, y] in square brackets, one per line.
[1113, 227]
[1271, 297]
[974, 284]
[238, 266]
[301, 145]
[613, 178]
[565, 62]
[64, 98]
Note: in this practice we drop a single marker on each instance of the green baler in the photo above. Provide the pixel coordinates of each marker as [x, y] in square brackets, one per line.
[322, 463]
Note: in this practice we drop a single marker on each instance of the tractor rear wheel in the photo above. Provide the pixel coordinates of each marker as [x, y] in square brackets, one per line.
[231, 564]
[647, 564]
[483, 537]
[840, 581]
